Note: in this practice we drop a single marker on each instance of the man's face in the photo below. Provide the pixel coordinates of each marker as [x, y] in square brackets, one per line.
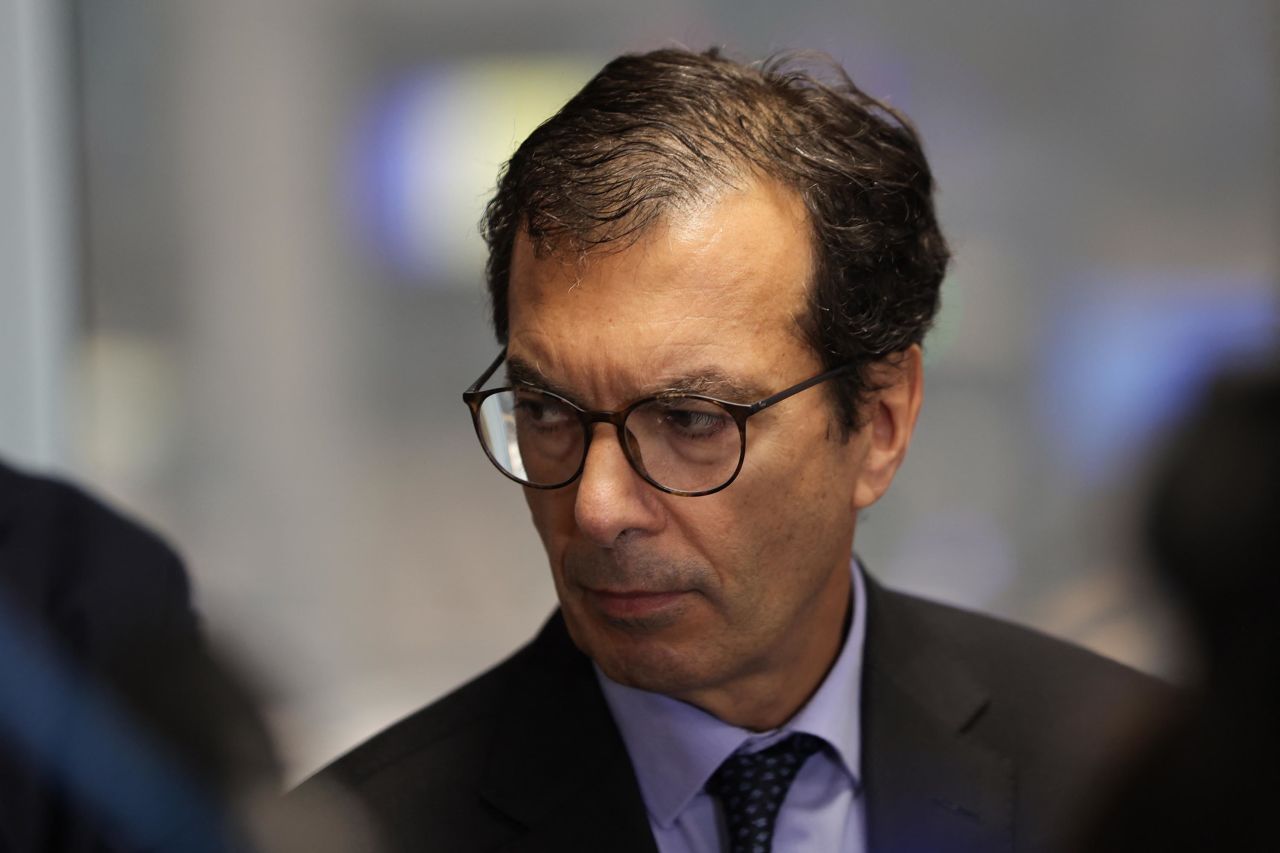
[693, 596]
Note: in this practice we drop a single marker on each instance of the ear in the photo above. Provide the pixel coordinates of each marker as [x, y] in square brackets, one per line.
[890, 421]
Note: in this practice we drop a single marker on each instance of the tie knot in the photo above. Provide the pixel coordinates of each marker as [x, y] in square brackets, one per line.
[751, 787]
[782, 760]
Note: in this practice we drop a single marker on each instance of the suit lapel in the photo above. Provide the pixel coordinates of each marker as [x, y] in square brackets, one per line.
[558, 766]
[929, 787]
[560, 771]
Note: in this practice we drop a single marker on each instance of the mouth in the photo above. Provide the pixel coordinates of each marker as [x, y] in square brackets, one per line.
[632, 605]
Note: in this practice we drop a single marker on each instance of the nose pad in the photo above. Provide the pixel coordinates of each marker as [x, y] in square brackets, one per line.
[633, 450]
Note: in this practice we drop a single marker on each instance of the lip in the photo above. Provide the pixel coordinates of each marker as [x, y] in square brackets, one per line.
[634, 604]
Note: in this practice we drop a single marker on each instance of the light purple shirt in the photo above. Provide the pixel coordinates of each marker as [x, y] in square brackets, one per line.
[675, 748]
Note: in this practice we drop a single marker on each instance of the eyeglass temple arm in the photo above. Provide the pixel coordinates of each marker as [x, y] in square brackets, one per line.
[803, 386]
[489, 371]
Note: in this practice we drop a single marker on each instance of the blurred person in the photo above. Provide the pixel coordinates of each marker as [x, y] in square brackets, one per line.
[120, 729]
[711, 282]
[1210, 777]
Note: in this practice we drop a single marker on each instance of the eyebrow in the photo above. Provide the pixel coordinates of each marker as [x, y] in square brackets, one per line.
[714, 383]
[710, 382]
[520, 372]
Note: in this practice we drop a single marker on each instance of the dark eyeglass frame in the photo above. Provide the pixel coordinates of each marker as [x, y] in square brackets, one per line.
[474, 398]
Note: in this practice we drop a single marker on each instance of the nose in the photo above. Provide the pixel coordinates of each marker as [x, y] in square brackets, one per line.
[612, 498]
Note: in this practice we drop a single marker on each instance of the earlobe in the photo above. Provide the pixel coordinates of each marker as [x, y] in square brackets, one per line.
[891, 421]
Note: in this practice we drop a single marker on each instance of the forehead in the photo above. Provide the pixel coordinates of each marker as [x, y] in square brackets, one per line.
[718, 287]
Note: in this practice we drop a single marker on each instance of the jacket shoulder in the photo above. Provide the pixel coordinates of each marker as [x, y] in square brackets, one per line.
[544, 672]
[464, 717]
[1064, 716]
[420, 778]
[1026, 664]
[1049, 718]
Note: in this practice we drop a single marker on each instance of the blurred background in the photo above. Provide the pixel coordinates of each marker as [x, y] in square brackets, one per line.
[241, 293]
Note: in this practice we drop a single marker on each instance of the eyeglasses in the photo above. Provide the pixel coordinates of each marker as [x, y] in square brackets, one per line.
[683, 444]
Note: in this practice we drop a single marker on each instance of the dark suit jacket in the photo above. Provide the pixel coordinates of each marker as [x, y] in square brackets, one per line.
[977, 736]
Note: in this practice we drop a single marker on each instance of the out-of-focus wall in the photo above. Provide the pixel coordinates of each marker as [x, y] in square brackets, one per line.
[283, 301]
[37, 234]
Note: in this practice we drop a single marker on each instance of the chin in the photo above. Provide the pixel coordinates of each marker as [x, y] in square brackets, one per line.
[640, 659]
[652, 676]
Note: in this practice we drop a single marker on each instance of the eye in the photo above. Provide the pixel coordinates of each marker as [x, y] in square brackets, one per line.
[541, 412]
[694, 419]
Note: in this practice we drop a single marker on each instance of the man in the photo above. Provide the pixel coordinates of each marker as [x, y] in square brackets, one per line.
[712, 282]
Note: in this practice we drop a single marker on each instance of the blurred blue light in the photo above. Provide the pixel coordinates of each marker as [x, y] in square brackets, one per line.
[83, 741]
[426, 149]
[1128, 353]
[389, 155]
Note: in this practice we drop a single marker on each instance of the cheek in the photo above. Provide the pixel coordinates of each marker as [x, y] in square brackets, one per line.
[791, 505]
[740, 534]
[552, 515]
[713, 530]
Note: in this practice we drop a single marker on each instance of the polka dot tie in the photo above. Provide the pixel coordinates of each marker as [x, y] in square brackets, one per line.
[752, 786]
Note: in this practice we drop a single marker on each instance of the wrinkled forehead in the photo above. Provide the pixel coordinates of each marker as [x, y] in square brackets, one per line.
[726, 282]
[753, 243]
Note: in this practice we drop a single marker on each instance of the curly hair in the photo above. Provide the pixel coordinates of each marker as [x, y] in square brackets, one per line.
[655, 131]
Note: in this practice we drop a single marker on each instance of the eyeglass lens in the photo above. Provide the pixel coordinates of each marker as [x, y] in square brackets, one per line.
[683, 443]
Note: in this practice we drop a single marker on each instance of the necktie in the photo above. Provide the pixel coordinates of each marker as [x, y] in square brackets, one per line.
[752, 786]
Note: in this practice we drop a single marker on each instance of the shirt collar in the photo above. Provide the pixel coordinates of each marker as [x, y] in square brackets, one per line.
[675, 747]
